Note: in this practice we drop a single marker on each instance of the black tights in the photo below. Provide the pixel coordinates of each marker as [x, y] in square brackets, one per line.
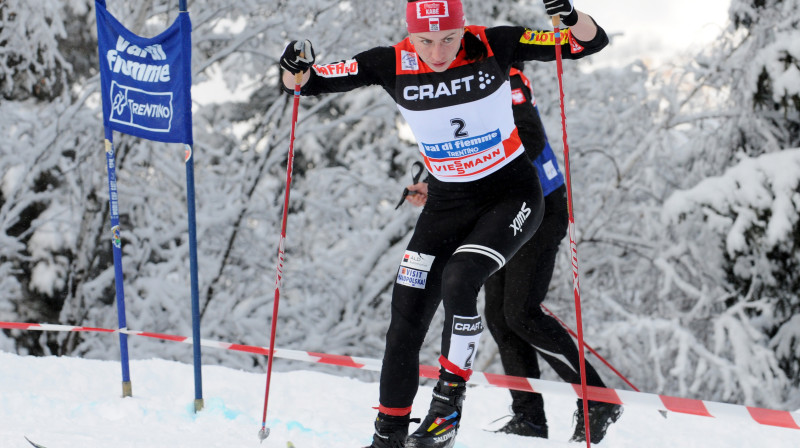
[465, 233]
[516, 320]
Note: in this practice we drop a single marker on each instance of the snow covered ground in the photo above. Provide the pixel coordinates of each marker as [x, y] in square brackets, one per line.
[71, 402]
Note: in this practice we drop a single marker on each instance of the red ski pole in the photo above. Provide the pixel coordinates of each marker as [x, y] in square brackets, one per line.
[572, 244]
[263, 433]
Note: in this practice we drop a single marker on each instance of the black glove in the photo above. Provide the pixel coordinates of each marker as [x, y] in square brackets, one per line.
[291, 60]
[563, 8]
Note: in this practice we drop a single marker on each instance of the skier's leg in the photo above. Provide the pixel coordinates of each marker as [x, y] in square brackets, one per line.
[518, 357]
[502, 228]
[415, 297]
[527, 281]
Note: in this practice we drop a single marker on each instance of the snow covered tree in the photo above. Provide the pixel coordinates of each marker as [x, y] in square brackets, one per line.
[685, 197]
[728, 262]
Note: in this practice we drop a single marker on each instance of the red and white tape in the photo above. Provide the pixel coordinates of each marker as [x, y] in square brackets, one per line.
[769, 417]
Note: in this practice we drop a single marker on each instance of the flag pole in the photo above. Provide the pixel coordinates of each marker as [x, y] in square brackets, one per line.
[116, 244]
[190, 203]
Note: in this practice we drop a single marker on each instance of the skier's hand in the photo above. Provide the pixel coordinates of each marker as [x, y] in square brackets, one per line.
[417, 194]
[562, 8]
[413, 192]
[298, 56]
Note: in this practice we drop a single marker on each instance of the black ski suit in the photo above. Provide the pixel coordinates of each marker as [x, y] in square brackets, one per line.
[514, 294]
[484, 196]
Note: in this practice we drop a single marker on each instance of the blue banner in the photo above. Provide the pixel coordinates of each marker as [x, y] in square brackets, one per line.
[146, 82]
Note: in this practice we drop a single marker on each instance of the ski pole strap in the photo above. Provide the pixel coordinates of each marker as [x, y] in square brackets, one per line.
[416, 172]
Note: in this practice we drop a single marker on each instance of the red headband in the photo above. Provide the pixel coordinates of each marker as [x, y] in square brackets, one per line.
[434, 15]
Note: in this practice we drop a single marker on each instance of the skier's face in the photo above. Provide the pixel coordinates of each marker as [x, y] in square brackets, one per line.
[438, 49]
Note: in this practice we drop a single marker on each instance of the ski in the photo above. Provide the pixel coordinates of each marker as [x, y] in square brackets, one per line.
[34, 443]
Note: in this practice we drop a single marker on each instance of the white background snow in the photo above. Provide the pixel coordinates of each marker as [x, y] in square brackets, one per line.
[70, 402]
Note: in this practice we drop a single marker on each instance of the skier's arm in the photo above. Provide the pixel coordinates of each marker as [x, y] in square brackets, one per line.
[367, 68]
[585, 29]
[582, 28]
[526, 117]
[581, 25]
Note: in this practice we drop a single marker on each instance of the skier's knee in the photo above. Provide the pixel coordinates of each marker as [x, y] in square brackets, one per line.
[465, 273]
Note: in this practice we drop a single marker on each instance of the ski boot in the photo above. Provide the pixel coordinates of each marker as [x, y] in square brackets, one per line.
[601, 416]
[439, 428]
[390, 431]
[523, 425]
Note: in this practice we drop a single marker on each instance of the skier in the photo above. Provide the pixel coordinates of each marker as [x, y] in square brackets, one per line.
[515, 292]
[450, 82]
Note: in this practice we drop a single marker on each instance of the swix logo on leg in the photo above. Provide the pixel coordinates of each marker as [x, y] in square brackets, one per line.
[519, 220]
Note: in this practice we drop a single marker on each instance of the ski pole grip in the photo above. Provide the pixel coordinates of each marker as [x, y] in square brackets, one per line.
[556, 20]
[298, 77]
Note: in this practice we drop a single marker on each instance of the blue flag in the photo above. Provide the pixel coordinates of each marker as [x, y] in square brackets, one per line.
[146, 82]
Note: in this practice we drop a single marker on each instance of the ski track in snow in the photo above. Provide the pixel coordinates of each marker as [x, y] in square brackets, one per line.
[69, 402]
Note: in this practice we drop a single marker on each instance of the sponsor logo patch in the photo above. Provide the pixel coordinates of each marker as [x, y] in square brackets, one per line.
[517, 96]
[141, 109]
[115, 238]
[519, 220]
[465, 156]
[445, 437]
[412, 278]
[532, 37]
[416, 260]
[467, 326]
[409, 60]
[431, 91]
[432, 9]
[574, 46]
[550, 170]
[337, 69]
